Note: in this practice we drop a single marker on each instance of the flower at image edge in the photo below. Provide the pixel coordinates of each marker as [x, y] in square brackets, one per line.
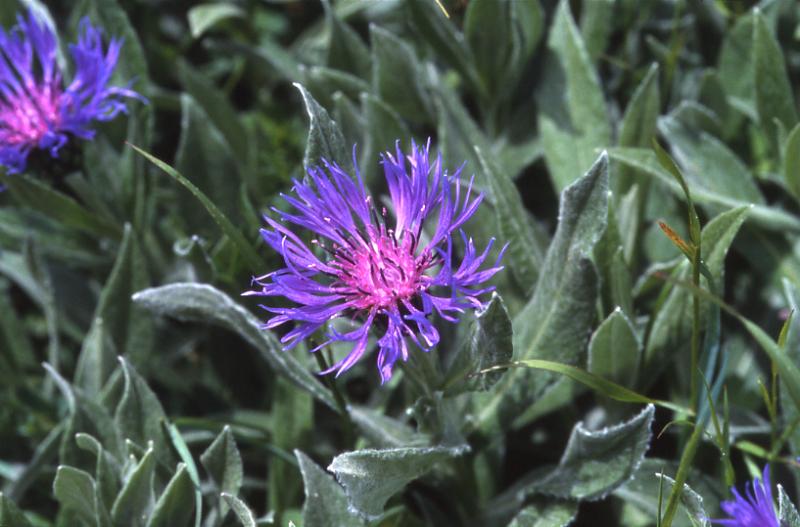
[380, 268]
[37, 109]
[754, 509]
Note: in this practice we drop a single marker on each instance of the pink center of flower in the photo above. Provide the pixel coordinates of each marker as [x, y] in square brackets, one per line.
[26, 119]
[382, 272]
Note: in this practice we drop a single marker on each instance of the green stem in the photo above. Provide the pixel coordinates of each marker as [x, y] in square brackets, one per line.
[683, 473]
[693, 401]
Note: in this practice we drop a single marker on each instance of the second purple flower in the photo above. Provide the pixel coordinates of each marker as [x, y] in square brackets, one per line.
[377, 267]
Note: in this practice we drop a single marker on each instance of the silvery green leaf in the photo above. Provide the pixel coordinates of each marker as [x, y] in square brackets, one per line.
[773, 89]
[325, 140]
[326, 503]
[692, 503]
[638, 126]
[501, 35]
[555, 323]
[96, 361]
[241, 510]
[383, 431]
[175, 506]
[139, 414]
[771, 217]
[135, 501]
[371, 477]
[573, 121]
[670, 328]
[75, 490]
[205, 16]
[383, 128]
[614, 350]
[554, 514]
[525, 254]
[597, 24]
[597, 462]
[346, 51]
[224, 464]
[107, 468]
[203, 303]
[489, 344]
[708, 163]
[791, 161]
[203, 154]
[10, 515]
[788, 515]
[397, 76]
[736, 68]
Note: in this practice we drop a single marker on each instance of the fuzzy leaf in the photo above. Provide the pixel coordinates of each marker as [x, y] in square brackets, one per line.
[596, 462]
[555, 514]
[203, 303]
[773, 90]
[573, 121]
[325, 139]
[614, 350]
[326, 502]
[135, 501]
[10, 515]
[75, 490]
[788, 515]
[241, 510]
[371, 477]
[205, 16]
[224, 463]
[173, 508]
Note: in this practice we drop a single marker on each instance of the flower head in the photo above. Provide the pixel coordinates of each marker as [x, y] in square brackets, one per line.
[37, 109]
[380, 268]
[754, 509]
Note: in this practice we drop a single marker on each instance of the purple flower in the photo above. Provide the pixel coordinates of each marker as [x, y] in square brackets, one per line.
[754, 509]
[37, 109]
[379, 272]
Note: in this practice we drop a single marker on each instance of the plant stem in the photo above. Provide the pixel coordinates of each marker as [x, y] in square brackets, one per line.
[693, 400]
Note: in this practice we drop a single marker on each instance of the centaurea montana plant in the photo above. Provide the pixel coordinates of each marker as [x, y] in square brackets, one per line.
[391, 275]
[37, 109]
[755, 509]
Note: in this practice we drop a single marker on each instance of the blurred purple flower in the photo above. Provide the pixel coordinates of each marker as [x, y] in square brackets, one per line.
[36, 109]
[381, 273]
[754, 509]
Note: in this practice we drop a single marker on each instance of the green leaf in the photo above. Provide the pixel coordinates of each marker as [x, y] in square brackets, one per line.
[191, 468]
[75, 490]
[384, 127]
[791, 161]
[134, 502]
[397, 76]
[326, 503]
[371, 477]
[345, 51]
[708, 163]
[107, 471]
[96, 361]
[173, 507]
[325, 140]
[736, 68]
[638, 125]
[692, 503]
[599, 384]
[573, 121]
[224, 464]
[224, 118]
[204, 154]
[139, 414]
[502, 35]
[36, 195]
[787, 515]
[10, 515]
[246, 249]
[525, 253]
[203, 303]
[489, 344]
[596, 462]
[555, 323]
[383, 431]
[671, 328]
[431, 25]
[240, 508]
[614, 350]
[773, 90]
[205, 16]
[554, 514]
[770, 217]
[597, 24]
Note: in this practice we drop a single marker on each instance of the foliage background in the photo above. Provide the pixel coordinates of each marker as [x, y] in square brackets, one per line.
[104, 255]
